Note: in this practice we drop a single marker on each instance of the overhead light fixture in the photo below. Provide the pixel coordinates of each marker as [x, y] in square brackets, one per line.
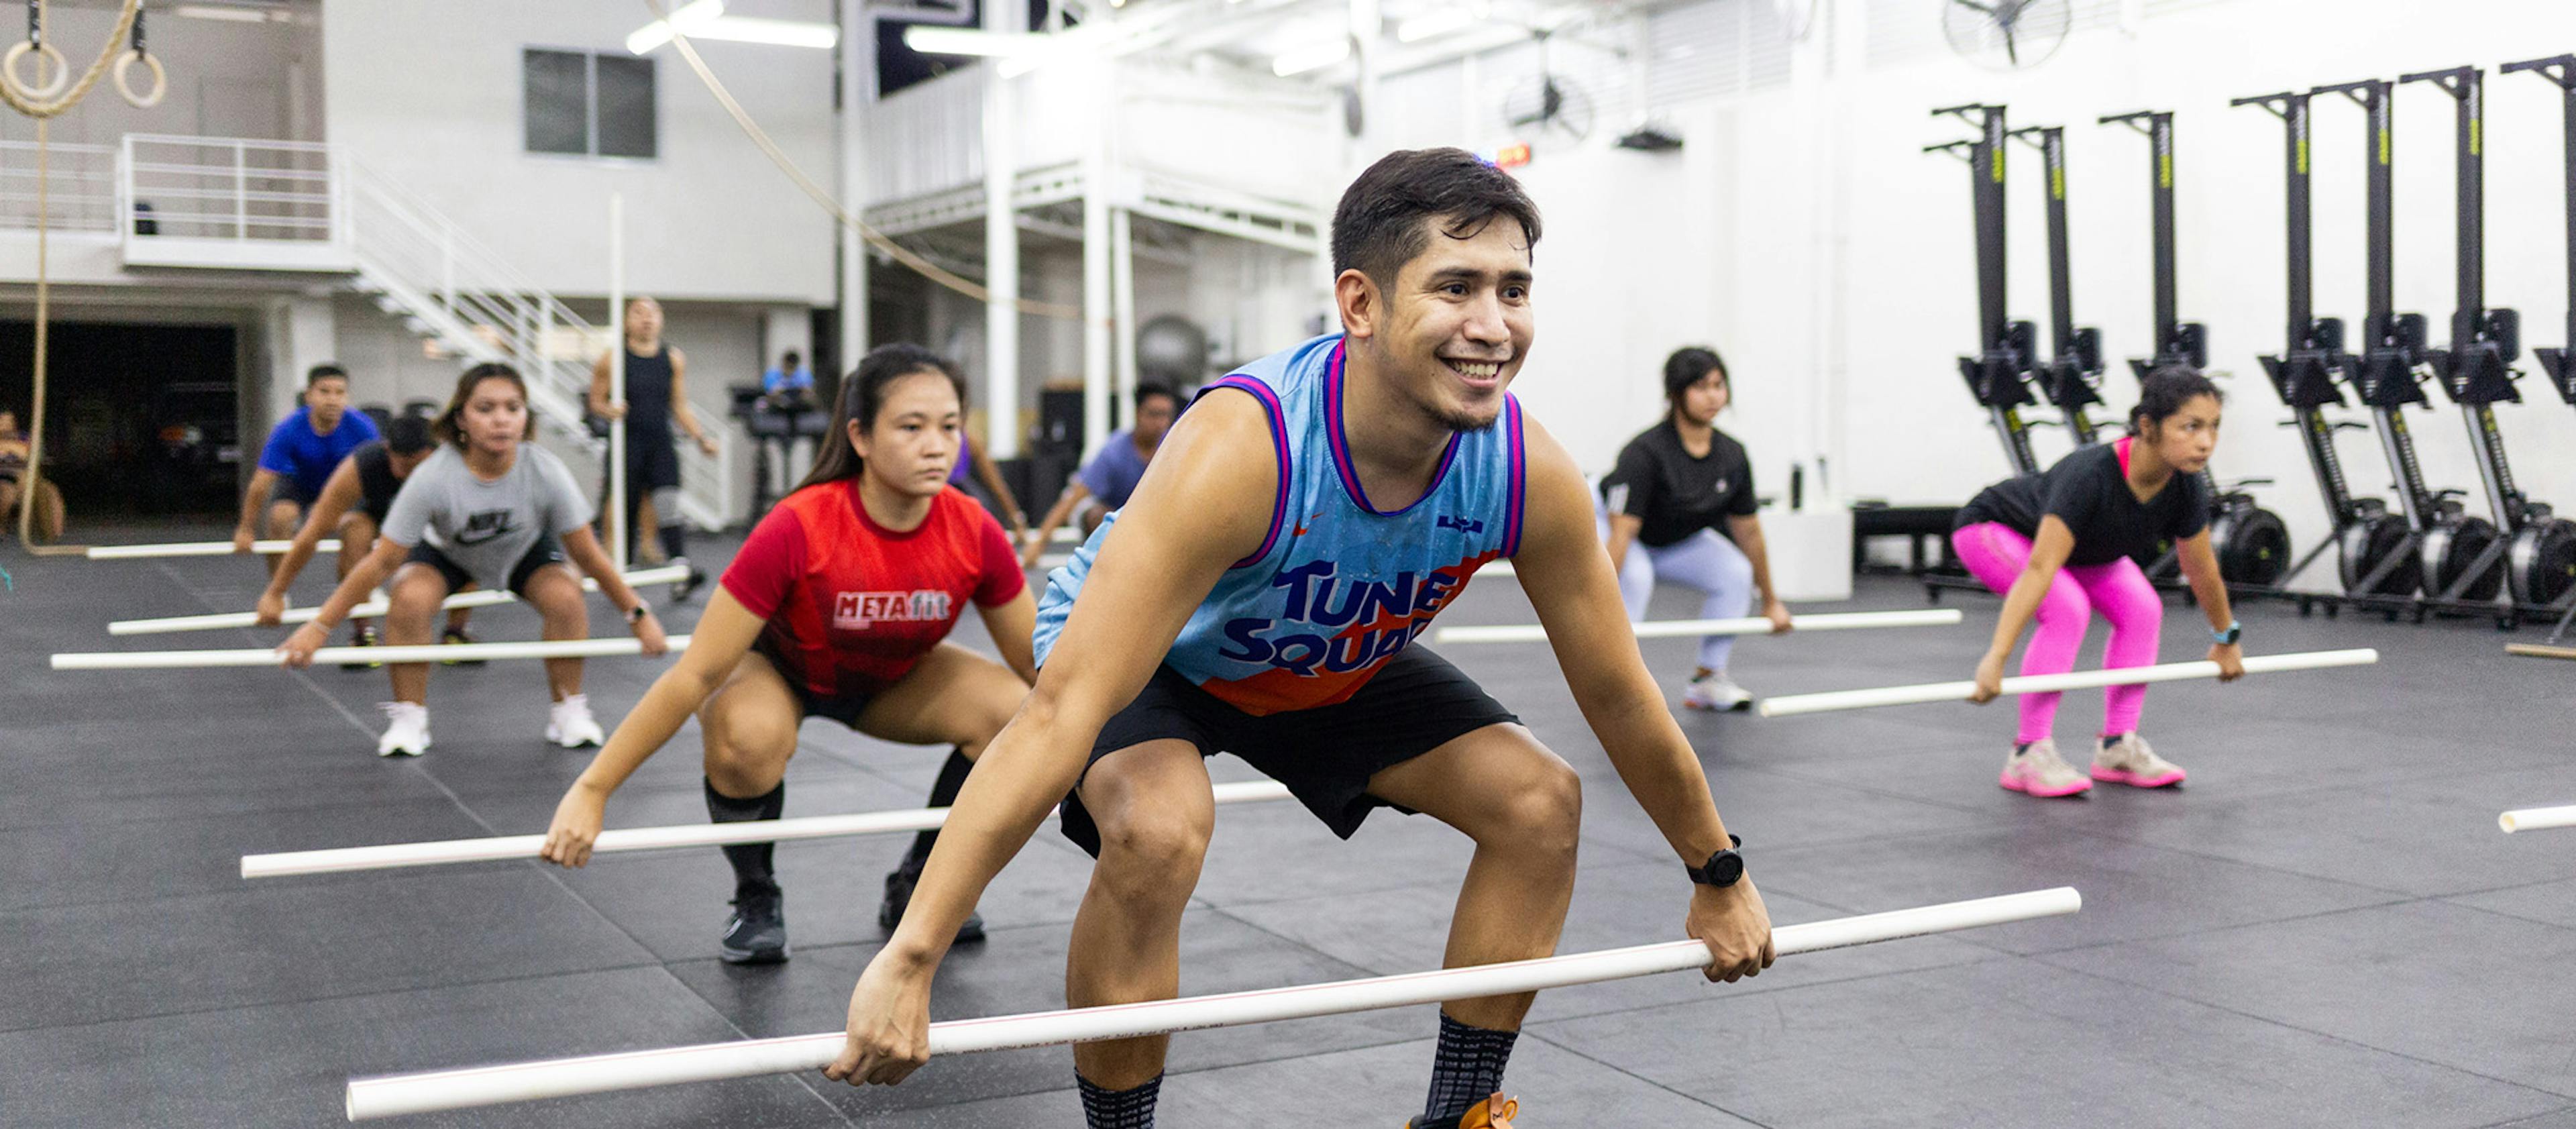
[691, 18]
[931, 39]
[755, 29]
[1436, 23]
[222, 12]
[1315, 58]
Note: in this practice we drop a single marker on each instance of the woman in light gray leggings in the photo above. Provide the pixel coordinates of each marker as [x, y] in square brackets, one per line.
[1660, 515]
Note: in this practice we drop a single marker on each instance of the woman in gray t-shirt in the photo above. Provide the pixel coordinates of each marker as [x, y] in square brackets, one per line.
[489, 509]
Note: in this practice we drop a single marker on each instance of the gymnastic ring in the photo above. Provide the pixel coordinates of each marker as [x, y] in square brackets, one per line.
[160, 80]
[45, 54]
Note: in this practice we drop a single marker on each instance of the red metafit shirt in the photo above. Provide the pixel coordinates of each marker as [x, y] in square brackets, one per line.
[853, 605]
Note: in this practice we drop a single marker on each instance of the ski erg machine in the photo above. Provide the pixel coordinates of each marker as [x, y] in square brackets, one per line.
[2536, 550]
[2372, 545]
[1999, 375]
[2442, 541]
[2252, 543]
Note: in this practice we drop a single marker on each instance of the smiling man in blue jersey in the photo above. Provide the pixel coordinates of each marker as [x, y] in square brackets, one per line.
[1262, 595]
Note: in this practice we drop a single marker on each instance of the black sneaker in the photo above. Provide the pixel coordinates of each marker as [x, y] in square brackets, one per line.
[757, 934]
[898, 894]
[458, 635]
[689, 584]
[361, 635]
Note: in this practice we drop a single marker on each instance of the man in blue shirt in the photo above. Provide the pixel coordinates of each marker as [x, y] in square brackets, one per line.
[791, 384]
[302, 451]
[1104, 484]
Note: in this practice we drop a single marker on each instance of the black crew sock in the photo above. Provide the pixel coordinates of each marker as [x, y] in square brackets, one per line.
[675, 541]
[952, 776]
[1468, 1067]
[751, 869]
[1119, 1109]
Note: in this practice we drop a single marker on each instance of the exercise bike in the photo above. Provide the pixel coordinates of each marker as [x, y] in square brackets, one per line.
[2537, 549]
[2366, 537]
[2252, 543]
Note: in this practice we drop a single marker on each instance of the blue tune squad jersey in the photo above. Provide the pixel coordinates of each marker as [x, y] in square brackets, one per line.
[1339, 586]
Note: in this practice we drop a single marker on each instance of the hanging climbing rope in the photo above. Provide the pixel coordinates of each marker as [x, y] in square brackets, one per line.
[41, 103]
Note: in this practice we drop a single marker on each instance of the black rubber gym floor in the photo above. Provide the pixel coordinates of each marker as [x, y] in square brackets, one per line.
[2323, 928]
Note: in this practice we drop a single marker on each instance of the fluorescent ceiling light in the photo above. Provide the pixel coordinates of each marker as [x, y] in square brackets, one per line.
[931, 39]
[754, 29]
[691, 18]
[1444, 21]
[217, 12]
[1315, 58]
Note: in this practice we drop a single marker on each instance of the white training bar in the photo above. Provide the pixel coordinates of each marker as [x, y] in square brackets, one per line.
[432, 653]
[392, 855]
[1749, 625]
[670, 574]
[474, 1087]
[2043, 683]
[198, 549]
[2536, 819]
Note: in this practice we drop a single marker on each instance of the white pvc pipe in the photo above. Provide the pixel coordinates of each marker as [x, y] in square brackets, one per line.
[1749, 625]
[671, 574]
[1497, 568]
[393, 855]
[197, 549]
[2536, 819]
[2041, 683]
[439, 652]
[619, 537]
[473, 1087]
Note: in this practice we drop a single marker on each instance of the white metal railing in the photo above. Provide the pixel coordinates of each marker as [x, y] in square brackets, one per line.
[466, 296]
[80, 187]
[231, 188]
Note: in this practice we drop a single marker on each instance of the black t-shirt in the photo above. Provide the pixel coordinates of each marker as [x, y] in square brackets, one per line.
[376, 482]
[1659, 483]
[2090, 493]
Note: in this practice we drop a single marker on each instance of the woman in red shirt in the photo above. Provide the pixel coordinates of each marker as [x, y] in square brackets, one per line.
[838, 606]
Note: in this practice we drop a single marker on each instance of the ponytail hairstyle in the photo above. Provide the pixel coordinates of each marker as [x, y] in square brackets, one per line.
[450, 426]
[2165, 390]
[863, 394]
[1688, 366]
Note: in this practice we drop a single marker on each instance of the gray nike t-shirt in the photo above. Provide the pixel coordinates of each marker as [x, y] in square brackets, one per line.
[486, 527]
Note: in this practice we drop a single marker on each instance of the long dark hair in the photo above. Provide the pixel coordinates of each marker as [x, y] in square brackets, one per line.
[450, 427]
[863, 393]
[2165, 390]
[1688, 366]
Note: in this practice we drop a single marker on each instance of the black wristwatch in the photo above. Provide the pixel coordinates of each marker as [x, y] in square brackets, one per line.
[1724, 868]
[2234, 632]
[637, 613]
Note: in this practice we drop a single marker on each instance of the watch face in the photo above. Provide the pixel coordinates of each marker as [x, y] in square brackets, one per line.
[1724, 868]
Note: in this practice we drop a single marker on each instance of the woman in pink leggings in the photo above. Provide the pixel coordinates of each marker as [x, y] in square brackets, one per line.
[2062, 545]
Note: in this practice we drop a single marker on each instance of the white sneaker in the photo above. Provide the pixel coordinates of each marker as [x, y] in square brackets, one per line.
[571, 726]
[406, 730]
[1715, 691]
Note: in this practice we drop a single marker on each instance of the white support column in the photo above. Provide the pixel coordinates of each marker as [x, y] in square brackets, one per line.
[1098, 310]
[1122, 298]
[1001, 250]
[858, 100]
[302, 333]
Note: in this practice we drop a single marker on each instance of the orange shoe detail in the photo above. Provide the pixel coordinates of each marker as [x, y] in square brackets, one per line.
[1495, 1112]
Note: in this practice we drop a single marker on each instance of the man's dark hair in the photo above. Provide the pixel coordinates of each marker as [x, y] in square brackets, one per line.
[1150, 389]
[1378, 226]
[325, 371]
[790, 360]
[407, 435]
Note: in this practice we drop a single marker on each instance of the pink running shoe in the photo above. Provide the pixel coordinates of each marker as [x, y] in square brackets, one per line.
[2129, 761]
[2039, 771]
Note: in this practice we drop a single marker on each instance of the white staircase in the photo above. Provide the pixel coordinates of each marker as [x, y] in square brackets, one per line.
[295, 206]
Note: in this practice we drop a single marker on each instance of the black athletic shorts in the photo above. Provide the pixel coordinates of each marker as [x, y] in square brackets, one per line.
[540, 555]
[1416, 703]
[843, 708]
[289, 490]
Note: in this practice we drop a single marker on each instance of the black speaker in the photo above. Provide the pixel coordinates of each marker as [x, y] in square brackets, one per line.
[1059, 421]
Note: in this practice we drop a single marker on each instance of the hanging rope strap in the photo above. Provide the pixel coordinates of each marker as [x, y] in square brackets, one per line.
[125, 63]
